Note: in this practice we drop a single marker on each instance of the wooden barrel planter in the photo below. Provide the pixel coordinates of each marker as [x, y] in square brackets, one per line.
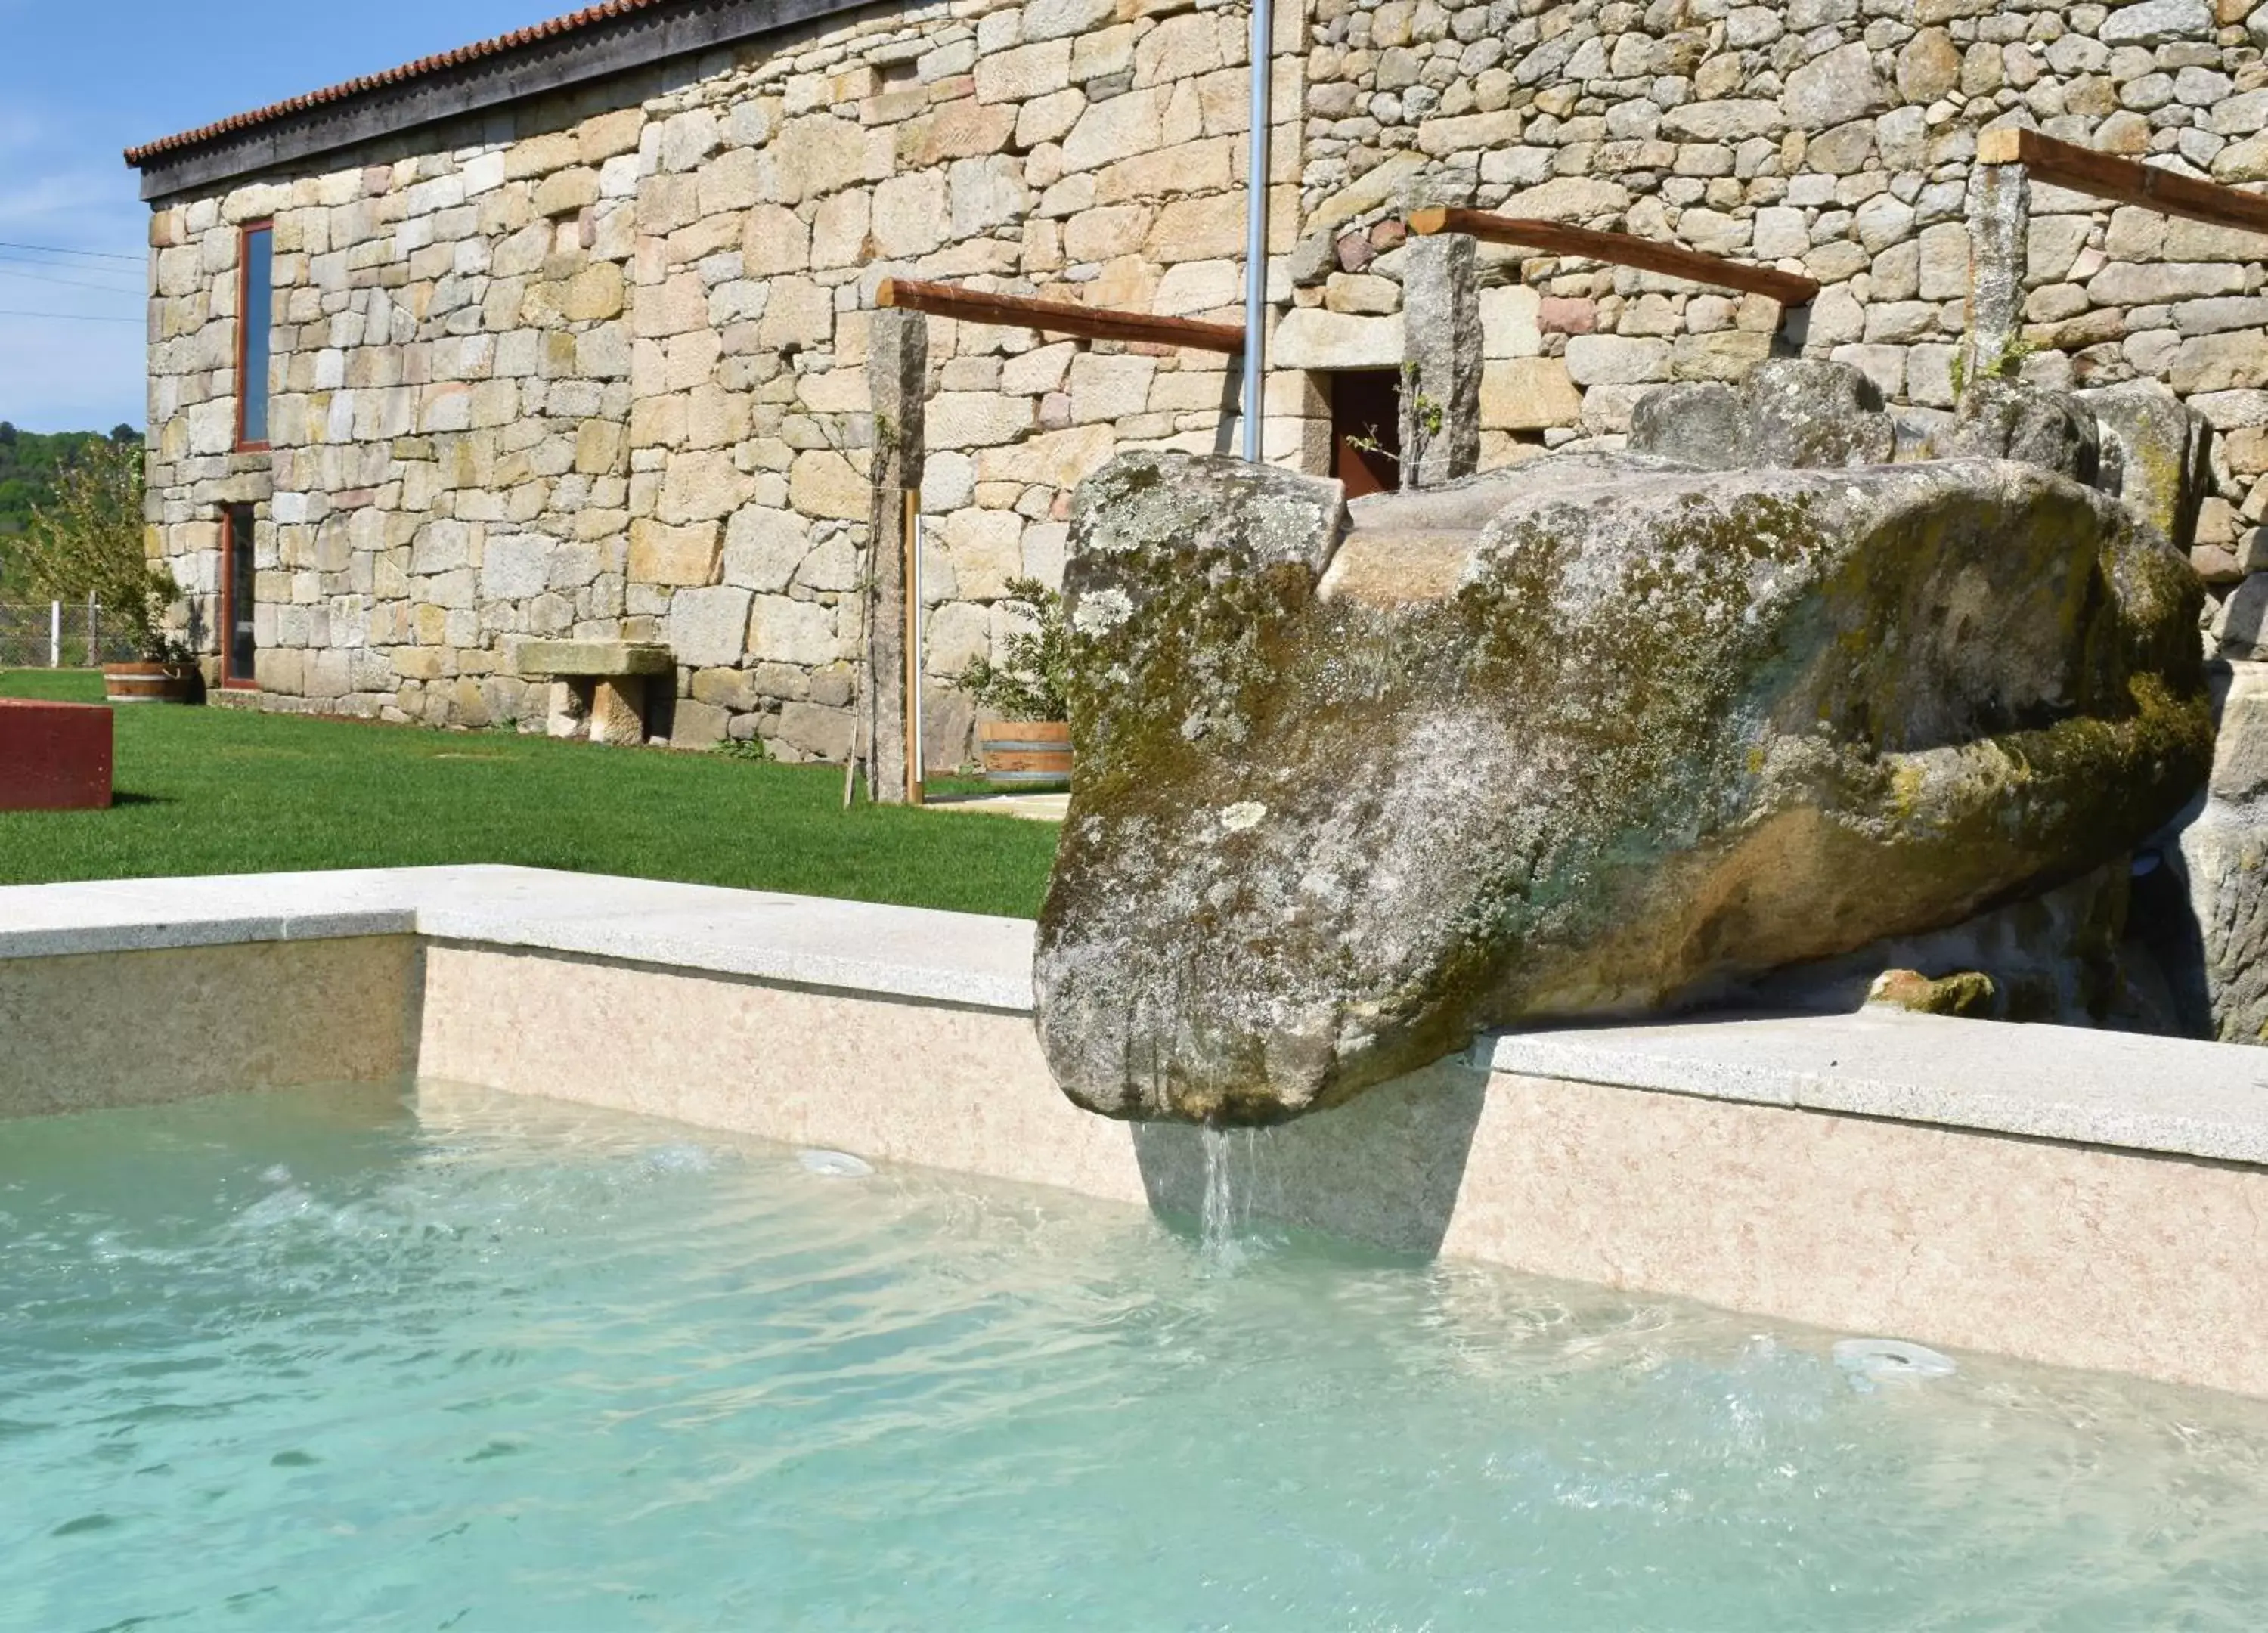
[1025, 751]
[149, 683]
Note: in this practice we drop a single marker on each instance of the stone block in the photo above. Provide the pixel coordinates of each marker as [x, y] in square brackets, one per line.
[2122, 285]
[516, 566]
[694, 723]
[1614, 360]
[1024, 72]
[1059, 459]
[985, 193]
[1724, 355]
[956, 633]
[1194, 229]
[1198, 286]
[985, 548]
[1929, 66]
[773, 239]
[1528, 394]
[618, 711]
[1309, 337]
[763, 547]
[911, 213]
[1056, 19]
[709, 626]
[1829, 90]
[1511, 321]
[1120, 128]
[1049, 118]
[2158, 22]
[565, 192]
[600, 138]
[586, 658]
[701, 486]
[661, 554]
[977, 420]
[822, 482]
[958, 130]
[1109, 388]
[784, 630]
[2223, 362]
[816, 730]
[817, 153]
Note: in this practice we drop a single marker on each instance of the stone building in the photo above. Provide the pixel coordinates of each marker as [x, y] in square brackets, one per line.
[564, 336]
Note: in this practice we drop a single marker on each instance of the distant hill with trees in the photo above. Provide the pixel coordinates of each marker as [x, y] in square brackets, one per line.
[29, 463]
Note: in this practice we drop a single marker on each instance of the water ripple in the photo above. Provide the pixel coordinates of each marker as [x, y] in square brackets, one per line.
[345, 1361]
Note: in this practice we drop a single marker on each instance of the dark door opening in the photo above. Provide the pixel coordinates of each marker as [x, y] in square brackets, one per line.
[238, 648]
[1366, 430]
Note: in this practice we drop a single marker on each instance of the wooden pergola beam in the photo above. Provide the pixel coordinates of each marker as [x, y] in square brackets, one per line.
[1620, 249]
[2123, 181]
[944, 301]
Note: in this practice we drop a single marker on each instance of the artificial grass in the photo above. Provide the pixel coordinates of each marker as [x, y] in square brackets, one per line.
[224, 790]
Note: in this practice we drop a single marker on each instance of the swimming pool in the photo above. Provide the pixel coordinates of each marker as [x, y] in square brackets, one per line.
[460, 1359]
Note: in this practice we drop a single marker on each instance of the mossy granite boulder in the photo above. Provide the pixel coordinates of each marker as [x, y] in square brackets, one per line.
[1599, 736]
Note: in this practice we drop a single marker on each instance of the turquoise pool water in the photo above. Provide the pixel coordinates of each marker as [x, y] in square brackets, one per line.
[338, 1360]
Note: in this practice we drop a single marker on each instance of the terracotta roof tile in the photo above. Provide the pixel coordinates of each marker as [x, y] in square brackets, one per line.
[499, 45]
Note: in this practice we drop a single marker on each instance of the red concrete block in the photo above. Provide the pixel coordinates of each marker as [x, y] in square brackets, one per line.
[54, 756]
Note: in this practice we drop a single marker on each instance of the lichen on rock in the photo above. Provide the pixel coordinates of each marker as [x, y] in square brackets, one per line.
[1601, 735]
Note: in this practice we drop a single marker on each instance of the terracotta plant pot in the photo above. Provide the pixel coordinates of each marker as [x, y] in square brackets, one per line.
[1025, 751]
[149, 683]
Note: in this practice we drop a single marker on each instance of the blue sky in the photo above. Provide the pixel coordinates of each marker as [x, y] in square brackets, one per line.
[81, 80]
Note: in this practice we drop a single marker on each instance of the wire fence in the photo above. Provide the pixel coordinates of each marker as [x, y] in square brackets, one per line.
[59, 634]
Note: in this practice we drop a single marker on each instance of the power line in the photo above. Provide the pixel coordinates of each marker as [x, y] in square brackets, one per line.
[14, 259]
[56, 249]
[108, 289]
[69, 317]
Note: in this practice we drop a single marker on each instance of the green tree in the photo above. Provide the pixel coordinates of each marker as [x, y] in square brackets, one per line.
[85, 538]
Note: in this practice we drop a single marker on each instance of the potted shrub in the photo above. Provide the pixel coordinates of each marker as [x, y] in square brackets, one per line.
[86, 543]
[163, 669]
[1030, 740]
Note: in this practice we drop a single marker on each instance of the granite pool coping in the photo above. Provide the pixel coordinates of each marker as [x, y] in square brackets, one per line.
[2171, 1096]
[902, 952]
[2177, 1096]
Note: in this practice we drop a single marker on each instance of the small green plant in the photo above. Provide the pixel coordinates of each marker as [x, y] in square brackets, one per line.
[1426, 418]
[1030, 683]
[2006, 364]
[1427, 415]
[1369, 441]
[752, 749]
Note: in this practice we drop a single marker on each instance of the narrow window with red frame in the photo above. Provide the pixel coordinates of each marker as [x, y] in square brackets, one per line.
[239, 646]
[255, 312]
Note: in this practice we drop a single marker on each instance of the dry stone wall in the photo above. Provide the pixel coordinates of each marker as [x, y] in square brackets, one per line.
[1833, 138]
[596, 368]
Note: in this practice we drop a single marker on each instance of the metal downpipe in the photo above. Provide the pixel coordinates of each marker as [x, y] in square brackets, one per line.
[1255, 224]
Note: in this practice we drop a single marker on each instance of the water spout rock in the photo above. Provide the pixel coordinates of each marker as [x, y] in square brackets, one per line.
[1595, 736]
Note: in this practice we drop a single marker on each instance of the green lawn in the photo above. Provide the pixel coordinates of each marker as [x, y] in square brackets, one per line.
[220, 791]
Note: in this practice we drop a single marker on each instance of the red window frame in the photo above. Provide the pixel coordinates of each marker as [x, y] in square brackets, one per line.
[229, 678]
[243, 320]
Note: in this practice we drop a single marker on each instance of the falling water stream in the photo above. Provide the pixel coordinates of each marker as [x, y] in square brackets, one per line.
[1227, 1208]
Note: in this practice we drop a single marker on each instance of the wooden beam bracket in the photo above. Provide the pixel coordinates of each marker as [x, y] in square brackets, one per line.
[2123, 181]
[1059, 317]
[1620, 249]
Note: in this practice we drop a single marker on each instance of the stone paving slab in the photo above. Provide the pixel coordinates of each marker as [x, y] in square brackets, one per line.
[1031, 807]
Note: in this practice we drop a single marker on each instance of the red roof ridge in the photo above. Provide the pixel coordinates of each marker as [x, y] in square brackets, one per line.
[498, 46]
